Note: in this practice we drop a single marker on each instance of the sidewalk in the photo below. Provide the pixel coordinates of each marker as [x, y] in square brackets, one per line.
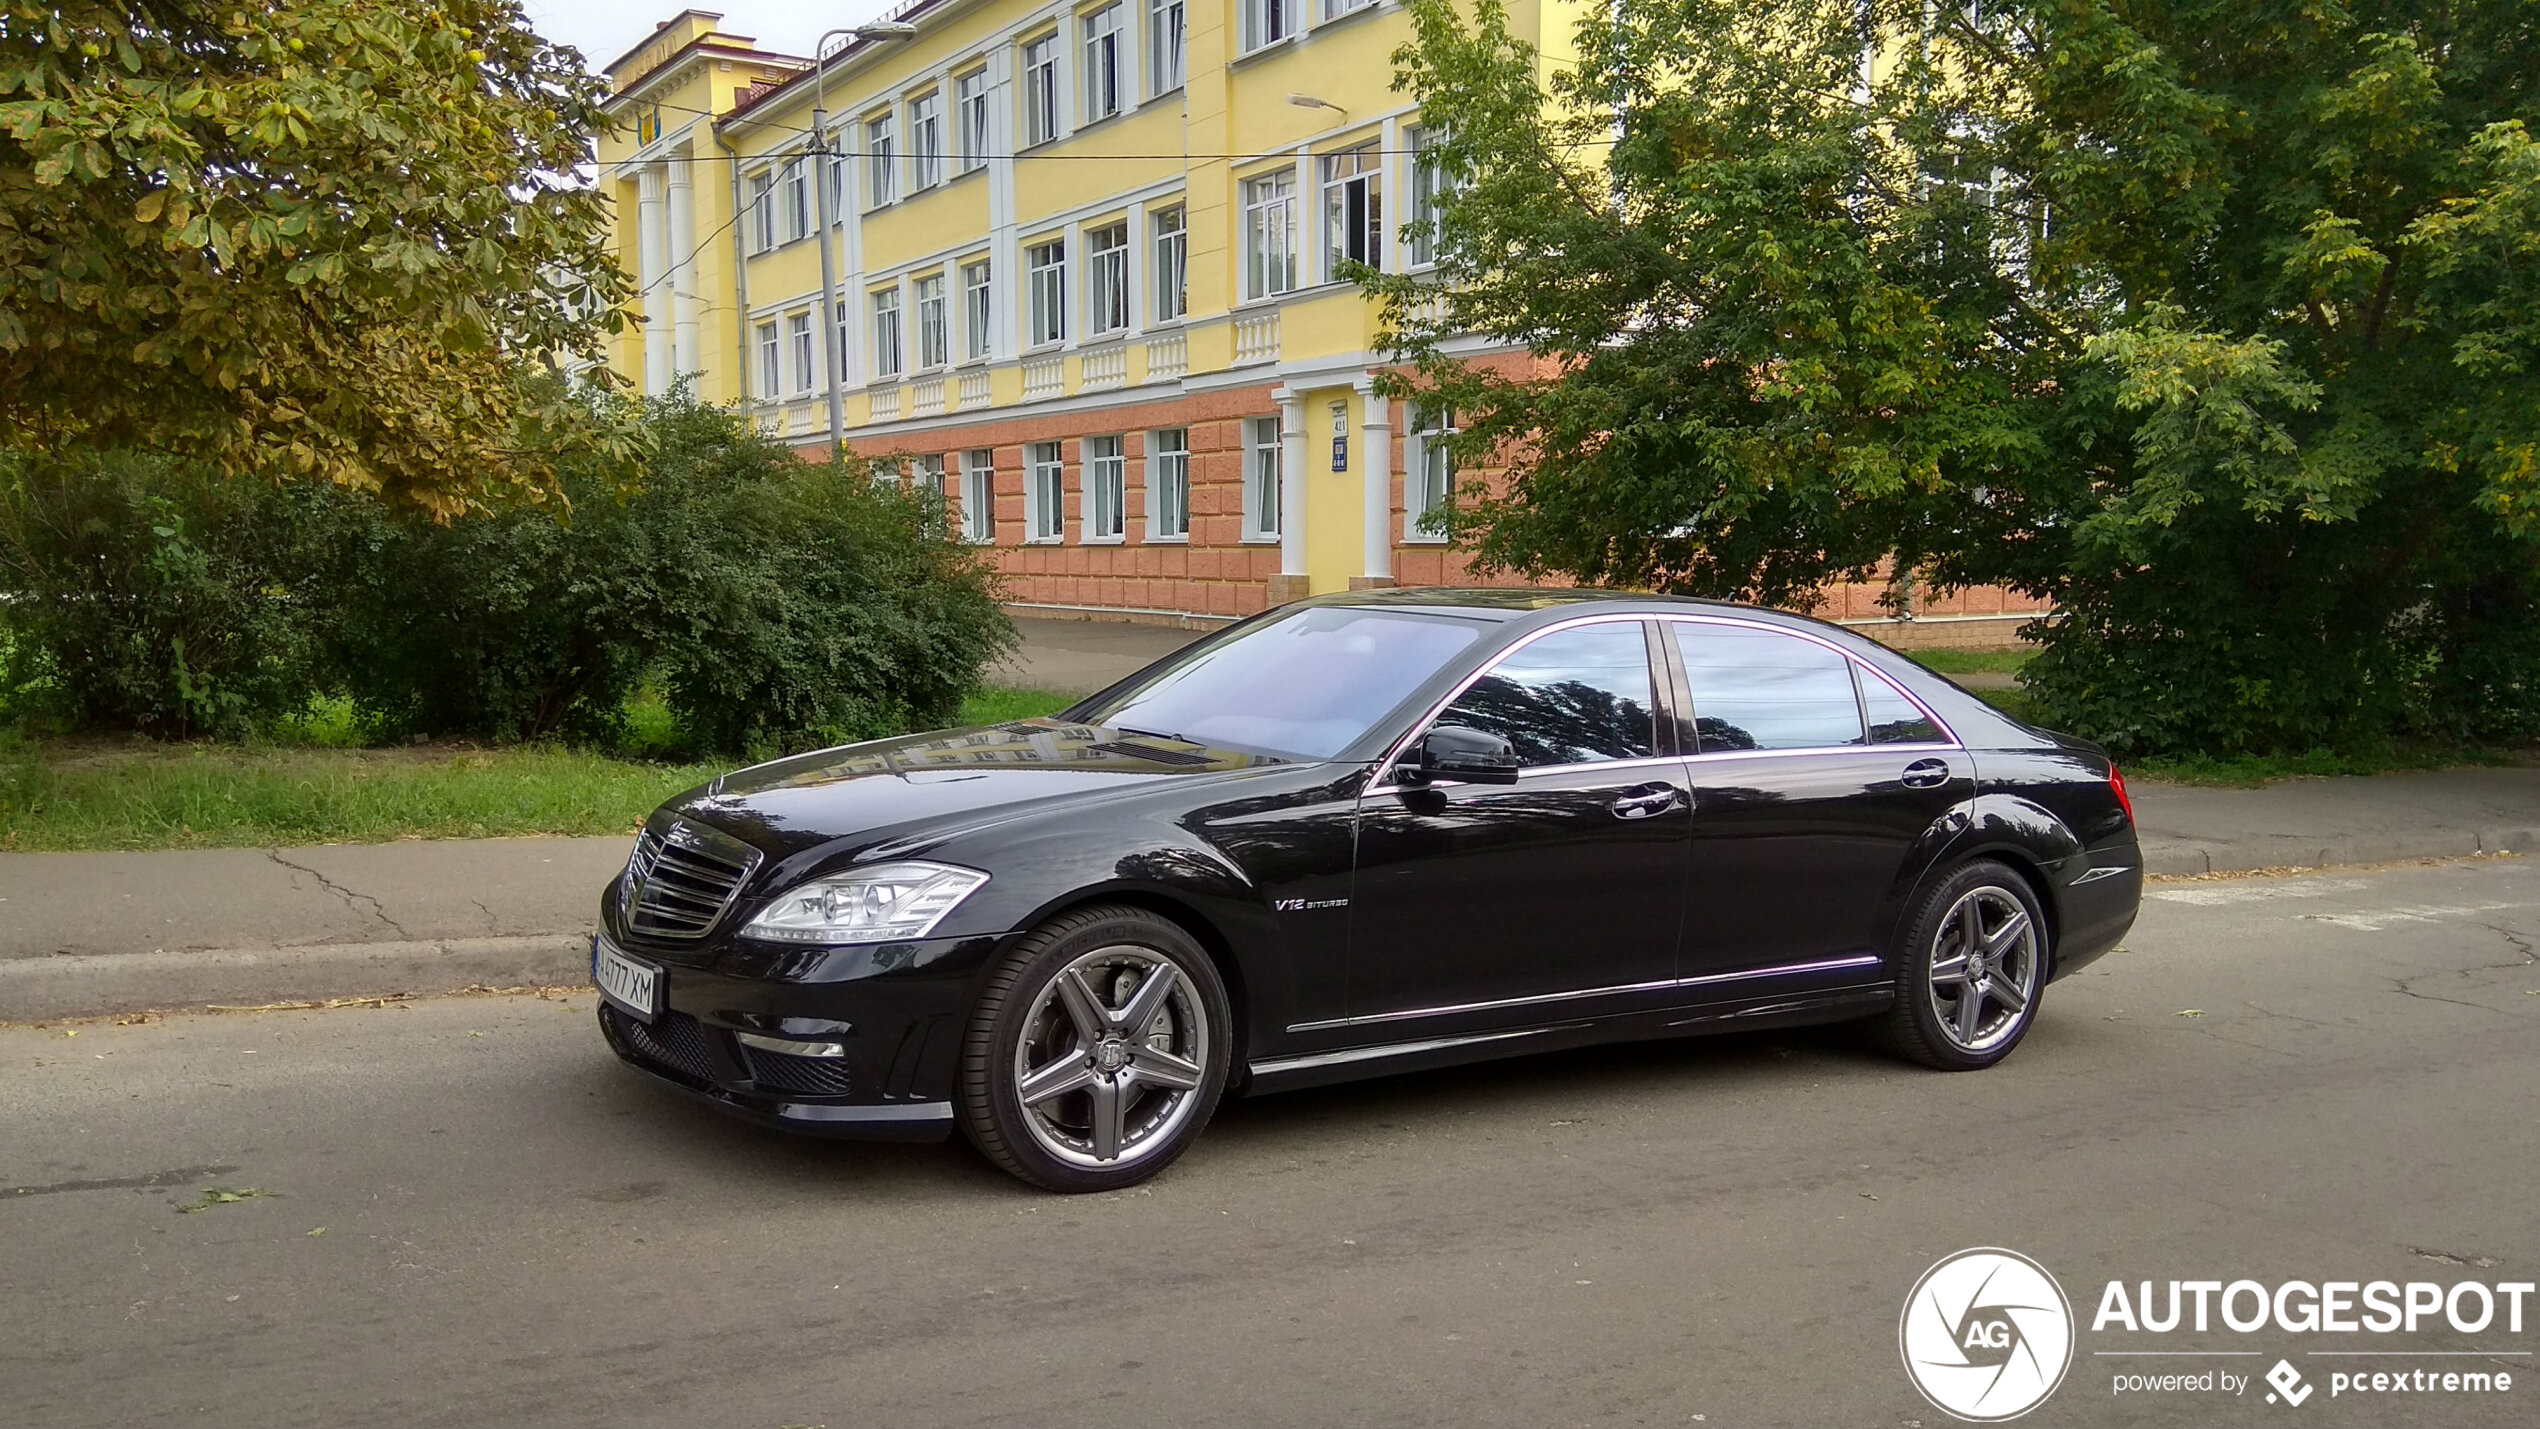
[94, 933]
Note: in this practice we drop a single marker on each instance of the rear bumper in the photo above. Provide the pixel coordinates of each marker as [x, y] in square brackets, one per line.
[2102, 890]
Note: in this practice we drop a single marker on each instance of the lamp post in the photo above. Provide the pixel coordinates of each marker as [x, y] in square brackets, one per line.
[819, 149]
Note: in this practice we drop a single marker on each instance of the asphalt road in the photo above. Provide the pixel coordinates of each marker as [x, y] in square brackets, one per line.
[518, 1231]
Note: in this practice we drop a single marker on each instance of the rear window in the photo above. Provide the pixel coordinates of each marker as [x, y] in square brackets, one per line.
[1758, 689]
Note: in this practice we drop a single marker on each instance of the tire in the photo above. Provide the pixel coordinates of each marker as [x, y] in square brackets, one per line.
[1932, 1022]
[1079, 1070]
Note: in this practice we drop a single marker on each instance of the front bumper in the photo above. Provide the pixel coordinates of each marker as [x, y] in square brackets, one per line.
[899, 1026]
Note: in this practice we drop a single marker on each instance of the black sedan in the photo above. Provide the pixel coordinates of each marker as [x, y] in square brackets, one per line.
[1353, 836]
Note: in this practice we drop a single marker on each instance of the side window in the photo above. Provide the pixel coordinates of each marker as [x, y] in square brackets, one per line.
[1758, 689]
[1578, 697]
[1894, 719]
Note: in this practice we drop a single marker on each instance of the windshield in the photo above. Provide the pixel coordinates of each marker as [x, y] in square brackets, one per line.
[1308, 684]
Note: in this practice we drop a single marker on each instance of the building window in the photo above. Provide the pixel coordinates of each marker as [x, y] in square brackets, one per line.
[1040, 90]
[1045, 272]
[1429, 479]
[886, 333]
[977, 311]
[1429, 183]
[1044, 493]
[798, 221]
[881, 162]
[771, 373]
[1107, 279]
[979, 496]
[1334, 9]
[1106, 489]
[762, 212]
[927, 474]
[842, 335]
[1261, 479]
[970, 100]
[1267, 22]
[1172, 265]
[1103, 63]
[1169, 484]
[1270, 234]
[1353, 210]
[837, 189]
[925, 141]
[934, 334]
[798, 328]
[1166, 69]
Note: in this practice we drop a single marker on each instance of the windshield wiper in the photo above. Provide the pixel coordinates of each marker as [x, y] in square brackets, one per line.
[1151, 734]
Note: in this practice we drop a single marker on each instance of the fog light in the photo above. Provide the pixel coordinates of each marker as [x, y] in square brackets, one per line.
[790, 1047]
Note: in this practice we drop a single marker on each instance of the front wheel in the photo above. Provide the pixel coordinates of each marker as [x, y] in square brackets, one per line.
[1972, 966]
[1097, 1051]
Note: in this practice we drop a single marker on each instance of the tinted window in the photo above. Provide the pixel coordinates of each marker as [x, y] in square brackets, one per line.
[1756, 689]
[1894, 719]
[1573, 698]
[1307, 684]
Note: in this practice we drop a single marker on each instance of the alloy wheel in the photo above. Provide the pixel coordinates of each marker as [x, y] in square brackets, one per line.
[1984, 969]
[1109, 1061]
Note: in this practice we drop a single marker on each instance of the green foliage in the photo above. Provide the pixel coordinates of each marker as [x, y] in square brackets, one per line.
[314, 237]
[2217, 323]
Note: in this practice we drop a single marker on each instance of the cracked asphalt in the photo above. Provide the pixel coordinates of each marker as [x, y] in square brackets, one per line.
[467, 1213]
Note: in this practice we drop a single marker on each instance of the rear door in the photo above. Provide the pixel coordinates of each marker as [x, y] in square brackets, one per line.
[1813, 780]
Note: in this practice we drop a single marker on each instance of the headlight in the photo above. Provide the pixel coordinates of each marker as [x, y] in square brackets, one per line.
[872, 905]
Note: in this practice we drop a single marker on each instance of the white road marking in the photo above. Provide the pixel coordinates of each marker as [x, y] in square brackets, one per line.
[2373, 920]
[2215, 895]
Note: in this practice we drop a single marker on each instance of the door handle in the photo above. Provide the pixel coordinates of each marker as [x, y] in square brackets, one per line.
[1926, 774]
[1648, 801]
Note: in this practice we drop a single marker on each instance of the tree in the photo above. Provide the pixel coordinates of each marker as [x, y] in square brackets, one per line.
[2214, 322]
[329, 238]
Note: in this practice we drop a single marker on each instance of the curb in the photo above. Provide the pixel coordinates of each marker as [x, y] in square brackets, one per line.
[113, 984]
[2292, 851]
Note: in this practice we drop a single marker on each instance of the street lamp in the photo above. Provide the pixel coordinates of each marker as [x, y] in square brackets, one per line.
[836, 339]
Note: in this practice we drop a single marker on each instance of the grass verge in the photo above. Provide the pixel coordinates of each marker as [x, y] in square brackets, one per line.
[312, 788]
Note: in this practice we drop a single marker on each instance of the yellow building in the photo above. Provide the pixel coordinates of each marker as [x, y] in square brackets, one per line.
[1085, 260]
[1084, 256]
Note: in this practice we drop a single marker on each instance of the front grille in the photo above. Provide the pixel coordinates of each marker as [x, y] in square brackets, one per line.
[673, 1040]
[812, 1076]
[681, 879]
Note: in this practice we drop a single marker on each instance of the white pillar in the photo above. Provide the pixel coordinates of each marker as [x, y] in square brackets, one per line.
[1291, 481]
[1375, 456]
[687, 343]
[652, 244]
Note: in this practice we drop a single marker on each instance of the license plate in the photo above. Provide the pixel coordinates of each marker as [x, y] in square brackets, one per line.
[635, 987]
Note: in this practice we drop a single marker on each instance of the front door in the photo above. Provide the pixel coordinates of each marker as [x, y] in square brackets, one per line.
[1500, 904]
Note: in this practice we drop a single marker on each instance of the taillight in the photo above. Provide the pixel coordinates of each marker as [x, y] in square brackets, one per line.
[2116, 785]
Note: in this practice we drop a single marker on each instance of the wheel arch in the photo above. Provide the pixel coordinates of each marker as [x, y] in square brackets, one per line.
[1203, 930]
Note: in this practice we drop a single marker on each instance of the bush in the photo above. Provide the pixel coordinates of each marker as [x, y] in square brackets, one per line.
[143, 595]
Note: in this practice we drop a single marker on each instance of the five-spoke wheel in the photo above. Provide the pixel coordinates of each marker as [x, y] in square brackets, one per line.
[1097, 1051]
[1974, 959]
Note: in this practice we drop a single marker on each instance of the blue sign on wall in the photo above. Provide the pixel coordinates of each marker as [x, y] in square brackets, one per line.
[1340, 453]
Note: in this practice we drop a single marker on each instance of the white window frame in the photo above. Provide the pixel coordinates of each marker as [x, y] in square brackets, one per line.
[1262, 460]
[1168, 56]
[979, 496]
[842, 348]
[1044, 494]
[881, 161]
[926, 141]
[1045, 281]
[763, 211]
[1104, 62]
[1168, 485]
[1335, 9]
[1428, 470]
[978, 310]
[1361, 169]
[1107, 279]
[926, 474]
[1270, 235]
[1428, 184]
[795, 180]
[970, 111]
[838, 192]
[1105, 519]
[885, 304]
[1040, 90]
[798, 327]
[1171, 229]
[934, 323]
[1267, 22]
[771, 361]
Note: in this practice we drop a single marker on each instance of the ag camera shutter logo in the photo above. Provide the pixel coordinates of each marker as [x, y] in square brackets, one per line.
[1986, 1335]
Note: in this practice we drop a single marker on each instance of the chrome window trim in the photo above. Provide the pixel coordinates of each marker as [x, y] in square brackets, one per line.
[1950, 738]
[1384, 780]
[1858, 960]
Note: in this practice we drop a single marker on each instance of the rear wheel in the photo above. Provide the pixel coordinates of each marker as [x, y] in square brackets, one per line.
[1973, 965]
[1097, 1052]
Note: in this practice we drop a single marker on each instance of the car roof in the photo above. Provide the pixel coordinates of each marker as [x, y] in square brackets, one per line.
[1504, 603]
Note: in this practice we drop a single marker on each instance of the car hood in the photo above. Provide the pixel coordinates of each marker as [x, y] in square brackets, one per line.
[886, 785]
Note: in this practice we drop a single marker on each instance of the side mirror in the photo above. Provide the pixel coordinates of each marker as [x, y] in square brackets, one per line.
[1454, 751]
